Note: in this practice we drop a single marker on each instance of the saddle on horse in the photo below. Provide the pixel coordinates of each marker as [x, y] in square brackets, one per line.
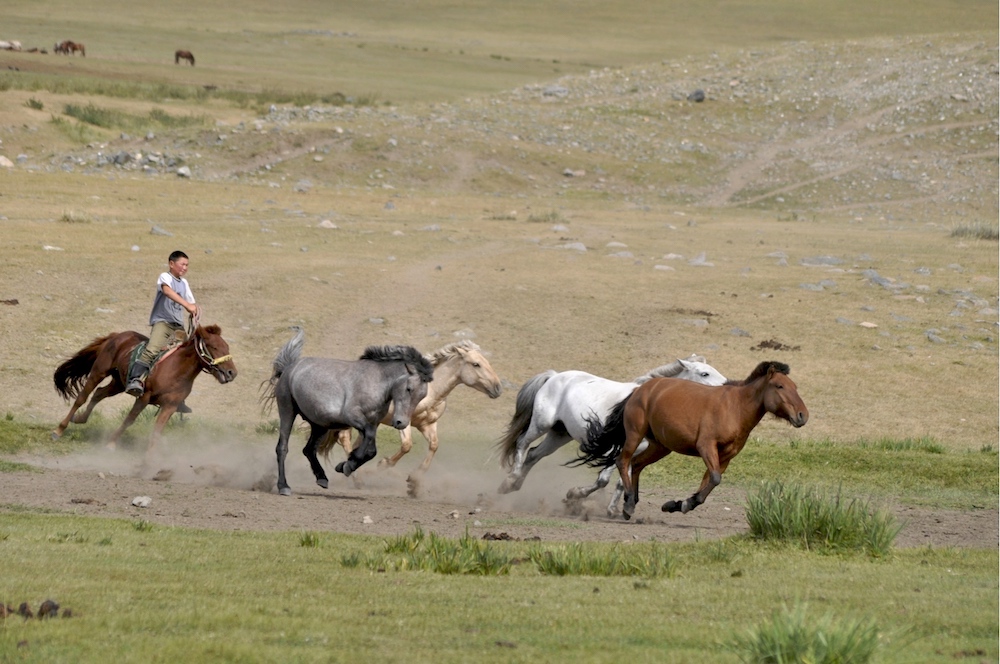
[138, 371]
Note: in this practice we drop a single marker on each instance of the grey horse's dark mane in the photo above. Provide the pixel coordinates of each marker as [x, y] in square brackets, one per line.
[760, 371]
[407, 354]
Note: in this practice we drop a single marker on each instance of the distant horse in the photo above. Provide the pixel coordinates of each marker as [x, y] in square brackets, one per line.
[168, 384]
[557, 406]
[333, 395]
[461, 363]
[69, 47]
[695, 420]
[183, 55]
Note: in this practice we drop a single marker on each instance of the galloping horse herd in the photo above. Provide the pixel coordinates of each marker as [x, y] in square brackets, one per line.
[686, 406]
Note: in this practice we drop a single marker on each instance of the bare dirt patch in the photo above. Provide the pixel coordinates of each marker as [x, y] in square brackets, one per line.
[204, 493]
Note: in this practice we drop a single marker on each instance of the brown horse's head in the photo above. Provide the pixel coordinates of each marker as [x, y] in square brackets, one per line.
[213, 351]
[781, 396]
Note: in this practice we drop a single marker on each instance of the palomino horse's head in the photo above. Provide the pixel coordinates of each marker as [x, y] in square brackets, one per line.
[781, 396]
[476, 371]
[213, 351]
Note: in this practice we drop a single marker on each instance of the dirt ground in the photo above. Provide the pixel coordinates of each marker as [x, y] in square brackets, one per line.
[238, 494]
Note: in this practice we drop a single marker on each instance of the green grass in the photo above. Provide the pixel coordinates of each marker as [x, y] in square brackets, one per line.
[165, 593]
[917, 472]
[109, 118]
[814, 520]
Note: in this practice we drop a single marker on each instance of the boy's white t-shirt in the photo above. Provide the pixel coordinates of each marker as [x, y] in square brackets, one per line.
[165, 309]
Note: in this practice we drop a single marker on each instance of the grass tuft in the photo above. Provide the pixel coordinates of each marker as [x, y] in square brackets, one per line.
[309, 540]
[795, 514]
[791, 636]
[979, 230]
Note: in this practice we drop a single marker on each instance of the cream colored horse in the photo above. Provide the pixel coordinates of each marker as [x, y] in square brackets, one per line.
[460, 363]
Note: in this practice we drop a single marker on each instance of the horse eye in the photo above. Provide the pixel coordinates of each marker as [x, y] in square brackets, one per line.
[476, 364]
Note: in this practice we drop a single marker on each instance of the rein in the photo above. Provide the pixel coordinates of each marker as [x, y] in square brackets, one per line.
[199, 346]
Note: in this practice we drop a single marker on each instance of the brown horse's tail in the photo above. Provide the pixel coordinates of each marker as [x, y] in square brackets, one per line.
[70, 376]
[604, 440]
[523, 410]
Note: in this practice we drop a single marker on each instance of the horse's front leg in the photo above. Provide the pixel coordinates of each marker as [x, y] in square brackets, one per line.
[161, 422]
[711, 479]
[309, 450]
[430, 433]
[361, 454]
[405, 445]
[137, 408]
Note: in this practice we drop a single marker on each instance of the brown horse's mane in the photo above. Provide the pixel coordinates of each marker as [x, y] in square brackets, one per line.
[760, 371]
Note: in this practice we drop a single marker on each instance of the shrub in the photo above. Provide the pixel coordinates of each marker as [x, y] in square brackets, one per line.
[793, 513]
[578, 560]
[791, 637]
[977, 231]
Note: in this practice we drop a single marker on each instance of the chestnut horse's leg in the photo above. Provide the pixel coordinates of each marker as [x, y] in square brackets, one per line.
[79, 401]
[317, 432]
[138, 407]
[711, 479]
[166, 410]
[653, 453]
[111, 389]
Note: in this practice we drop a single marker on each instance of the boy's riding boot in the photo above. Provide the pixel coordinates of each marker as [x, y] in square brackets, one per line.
[135, 385]
[183, 408]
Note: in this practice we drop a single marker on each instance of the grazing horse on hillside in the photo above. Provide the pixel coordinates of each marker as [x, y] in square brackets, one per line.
[69, 47]
[333, 395]
[183, 55]
[557, 406]
[168, 384]
[460, 363]
[696, 420]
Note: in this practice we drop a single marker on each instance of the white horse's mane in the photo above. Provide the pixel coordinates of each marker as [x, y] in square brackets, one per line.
[668, 370]
[451, 350]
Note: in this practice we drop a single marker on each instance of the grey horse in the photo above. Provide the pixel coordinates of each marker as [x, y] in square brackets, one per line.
[333, 395]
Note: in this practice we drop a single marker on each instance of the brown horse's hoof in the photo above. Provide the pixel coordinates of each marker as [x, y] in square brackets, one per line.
[56, 435]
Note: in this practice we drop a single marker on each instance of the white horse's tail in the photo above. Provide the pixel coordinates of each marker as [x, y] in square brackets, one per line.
[285, 358]
[523, 411]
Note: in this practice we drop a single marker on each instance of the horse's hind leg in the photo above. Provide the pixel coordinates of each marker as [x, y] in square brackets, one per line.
[529, 457]
[603, 478]
[109, 390]
[309, 450]
[93, 381]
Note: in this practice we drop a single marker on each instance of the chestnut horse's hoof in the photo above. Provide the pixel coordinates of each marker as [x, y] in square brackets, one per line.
[56, 435]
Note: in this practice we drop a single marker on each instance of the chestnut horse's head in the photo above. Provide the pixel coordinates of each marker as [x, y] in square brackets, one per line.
[213, 351]
[781, 396]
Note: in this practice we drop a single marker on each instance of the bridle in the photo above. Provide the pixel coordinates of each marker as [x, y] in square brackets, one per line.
[208, 362]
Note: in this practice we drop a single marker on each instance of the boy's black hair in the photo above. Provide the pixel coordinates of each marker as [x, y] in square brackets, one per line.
[176, 255]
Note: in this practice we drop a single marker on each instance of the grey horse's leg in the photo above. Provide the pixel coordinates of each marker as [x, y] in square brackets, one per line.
[309, 451]
[364, 452]
[528, 458]
[287, 418]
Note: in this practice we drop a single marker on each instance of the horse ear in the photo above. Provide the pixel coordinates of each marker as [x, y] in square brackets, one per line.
[410, 369]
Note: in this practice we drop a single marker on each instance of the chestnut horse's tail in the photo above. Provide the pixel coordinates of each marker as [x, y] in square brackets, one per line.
[604, 440]
[523, 410]
[70, 376]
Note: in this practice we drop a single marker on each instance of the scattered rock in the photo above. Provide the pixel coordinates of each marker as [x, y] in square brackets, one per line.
[142, 501]
[697, 96]
[774, 344]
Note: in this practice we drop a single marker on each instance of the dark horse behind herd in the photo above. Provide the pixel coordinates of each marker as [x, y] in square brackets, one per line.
[169, 382]
[183, 55]
[691, 419]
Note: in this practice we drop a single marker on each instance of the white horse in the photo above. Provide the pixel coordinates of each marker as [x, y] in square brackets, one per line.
[558, 405]
[460, 363]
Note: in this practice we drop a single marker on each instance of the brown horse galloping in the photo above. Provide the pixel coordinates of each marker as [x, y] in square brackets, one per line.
[183, 55]
[691, 419]
[169, 382]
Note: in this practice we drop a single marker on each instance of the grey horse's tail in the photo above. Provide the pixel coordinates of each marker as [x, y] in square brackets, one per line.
[287, 356]
[604, 441]
[522, 417]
